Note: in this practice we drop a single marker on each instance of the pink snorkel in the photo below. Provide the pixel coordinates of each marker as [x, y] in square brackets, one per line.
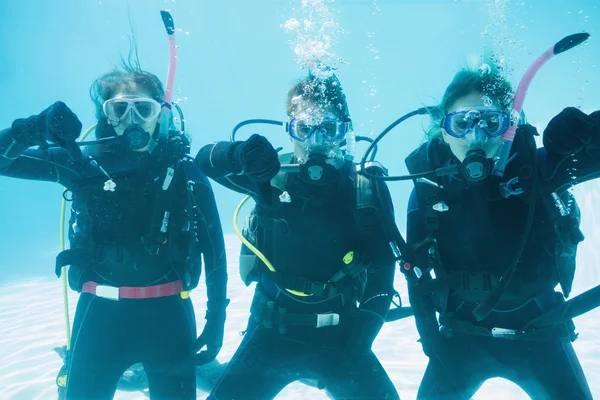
[166, 108]
[170, 27]
[565, 44]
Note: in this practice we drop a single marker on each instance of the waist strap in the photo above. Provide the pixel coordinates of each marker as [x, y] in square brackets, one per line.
[458, 280]
[302, 284]
[270, 315]
[564, 331]
[96, 254]
[125, 292]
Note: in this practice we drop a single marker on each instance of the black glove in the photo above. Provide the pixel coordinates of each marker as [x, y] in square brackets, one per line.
[256, 158]
[212, 334]
[30, 131]
[57, 124]
[62, 125]
[570, 131]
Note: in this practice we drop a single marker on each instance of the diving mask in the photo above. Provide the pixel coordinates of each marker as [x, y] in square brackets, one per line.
[330, 130]
[118, 109]
[493, 123]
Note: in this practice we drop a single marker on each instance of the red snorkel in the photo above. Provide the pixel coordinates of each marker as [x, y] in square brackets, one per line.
[565, 44]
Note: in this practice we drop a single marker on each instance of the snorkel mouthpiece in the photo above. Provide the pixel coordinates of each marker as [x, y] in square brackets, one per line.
[563, 45]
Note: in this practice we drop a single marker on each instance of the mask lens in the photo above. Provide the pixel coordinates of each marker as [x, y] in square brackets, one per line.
[145, 109]
[495, 124]
[329, 129]
[119, 109]
[300, 130]
[457, 125]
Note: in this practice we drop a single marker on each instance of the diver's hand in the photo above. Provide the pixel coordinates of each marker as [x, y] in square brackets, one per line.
[212, 334]
[62, 125]
[256, 158]
[570, 131]
[56, 123]
[30, 131]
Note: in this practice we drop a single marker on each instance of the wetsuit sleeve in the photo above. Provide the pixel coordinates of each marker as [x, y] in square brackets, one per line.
[379, 290]
[211, 240]
[422, 303]
[17, 160]
[214, 160]
[561, 172]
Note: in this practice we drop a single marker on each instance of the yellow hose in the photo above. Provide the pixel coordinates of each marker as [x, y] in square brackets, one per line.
[254, 249]
[63, 271]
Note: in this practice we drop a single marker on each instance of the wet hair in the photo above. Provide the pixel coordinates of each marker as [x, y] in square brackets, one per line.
[129, 76]
[327, 94]
[490, 83]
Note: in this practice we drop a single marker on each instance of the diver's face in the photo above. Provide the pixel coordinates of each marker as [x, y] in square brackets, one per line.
[315, 125]
[476, 138]
[132, 108]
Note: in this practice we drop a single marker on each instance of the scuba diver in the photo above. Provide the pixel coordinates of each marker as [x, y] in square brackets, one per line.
[488, 242]
[316, 245]
[142, 218]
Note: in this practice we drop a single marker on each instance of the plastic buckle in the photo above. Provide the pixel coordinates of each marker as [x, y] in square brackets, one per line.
[107, 292]
[503, 333]
[327, 320]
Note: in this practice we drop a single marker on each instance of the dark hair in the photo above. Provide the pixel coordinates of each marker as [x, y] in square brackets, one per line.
[489, 82]
[128, 76]
[325, 93]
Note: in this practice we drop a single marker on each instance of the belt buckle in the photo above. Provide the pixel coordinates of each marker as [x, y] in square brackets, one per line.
[503, 333]
[330, 319]
[107, 292]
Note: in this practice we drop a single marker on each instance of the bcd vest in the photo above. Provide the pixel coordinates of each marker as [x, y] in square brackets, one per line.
[550, 253]
[140, 234]
[316, 235]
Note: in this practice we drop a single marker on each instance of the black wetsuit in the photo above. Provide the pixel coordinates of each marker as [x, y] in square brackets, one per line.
[306, 238]
[109, 336]
[477, 238]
